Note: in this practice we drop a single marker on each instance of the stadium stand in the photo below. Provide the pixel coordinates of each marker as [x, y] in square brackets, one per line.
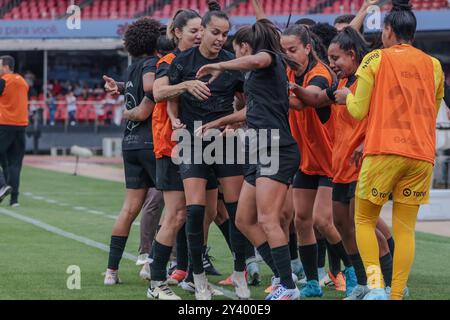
[126, 9]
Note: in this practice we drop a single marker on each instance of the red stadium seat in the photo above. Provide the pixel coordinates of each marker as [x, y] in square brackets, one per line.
[127, 9]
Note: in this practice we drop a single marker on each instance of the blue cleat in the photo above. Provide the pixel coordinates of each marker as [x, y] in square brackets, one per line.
[350, 281]
[283, 293]
[376, 294]
[297, 268]
[405, 292]
[312, 289]
[358, 293]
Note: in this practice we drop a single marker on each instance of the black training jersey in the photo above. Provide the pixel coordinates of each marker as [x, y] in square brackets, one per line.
[223, 89]
[164, 67]
[138, 135]
[267, 93]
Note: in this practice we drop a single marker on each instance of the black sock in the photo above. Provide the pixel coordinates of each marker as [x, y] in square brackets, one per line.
[151, 249]
[161, 256]
[116, 248]
[339, 251]
[308, 255]
[182, 249]
[334, 262]
[321, 252]
[282, 261]
[238, 240]
[190, 275]
[266, 253]
[194, 233]
[249, 251]
[293, 245]
[386, 269]
[360, 271]
[225, 229]
[391, 245]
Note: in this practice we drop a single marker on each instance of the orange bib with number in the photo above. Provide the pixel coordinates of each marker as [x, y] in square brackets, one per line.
[349, 135]
[402, 115]
[162, 128]
[314, 139]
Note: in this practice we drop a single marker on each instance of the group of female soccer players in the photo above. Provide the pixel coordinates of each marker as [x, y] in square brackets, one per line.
[347, 133]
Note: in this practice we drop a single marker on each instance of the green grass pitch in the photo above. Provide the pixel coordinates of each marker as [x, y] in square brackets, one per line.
[33, 261]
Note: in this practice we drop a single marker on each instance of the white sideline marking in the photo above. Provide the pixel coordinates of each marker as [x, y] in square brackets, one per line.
[77, 208]
[96, 212]
[85, 241]
[61, 232]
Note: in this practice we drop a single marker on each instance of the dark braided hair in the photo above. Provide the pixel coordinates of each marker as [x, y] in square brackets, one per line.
[141, 37]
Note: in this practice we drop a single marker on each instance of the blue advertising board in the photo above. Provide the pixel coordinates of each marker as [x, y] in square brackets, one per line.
[59, 29]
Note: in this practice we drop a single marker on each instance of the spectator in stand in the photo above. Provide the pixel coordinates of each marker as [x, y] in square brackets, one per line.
[118, 110]
[77, 91]
[98, 90]
[57, 88]
[343, 21]
[107, 107]
[51, 107]
[85, 92]
[30, 79]
[71, 107]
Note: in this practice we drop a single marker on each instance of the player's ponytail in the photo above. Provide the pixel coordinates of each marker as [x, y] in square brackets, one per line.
[215, 10]
[350, 39]
[179, 21]
[402, 20]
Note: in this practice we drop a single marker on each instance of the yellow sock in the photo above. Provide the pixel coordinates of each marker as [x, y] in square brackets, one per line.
[404, 224]
[366, 218]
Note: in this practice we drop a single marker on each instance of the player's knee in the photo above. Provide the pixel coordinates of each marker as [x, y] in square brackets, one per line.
[130, 212]
[323, 224]
[303, 222]
[268, 223]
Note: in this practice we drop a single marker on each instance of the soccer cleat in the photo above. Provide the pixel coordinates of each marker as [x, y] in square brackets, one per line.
[358, 293]
[339, 281]
[144, 274]
[161, 291]
[376, 294]
[405, 292]
[4, 192]
[176, 277]
[297, 268]
[240, 285]
[276, 283]
[111, 277]
[187, 286]
[324, 278]
[283, 293]
[142, 259]
[202, 290]
[226, 282]
[312, 289]
[253, 272]
[273, 286]
[350, 280]
[172, 267]
[190, 287]
[14, 205]
[208, 266]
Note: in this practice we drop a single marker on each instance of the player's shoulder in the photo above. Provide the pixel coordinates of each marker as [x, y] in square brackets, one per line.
[371, 58]
[185, 55]
[226, 55]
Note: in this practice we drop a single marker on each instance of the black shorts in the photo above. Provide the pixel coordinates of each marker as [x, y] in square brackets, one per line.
[288, 162]
[168, 176]
[312, 182]
[194, 166]
[140, 168]
[344, 192]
